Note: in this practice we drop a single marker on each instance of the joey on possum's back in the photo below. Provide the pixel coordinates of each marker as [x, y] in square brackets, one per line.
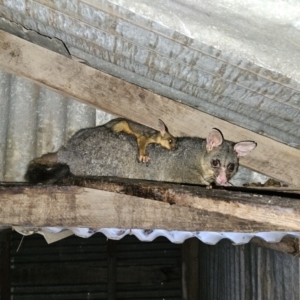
[99, 151]
[144, 135]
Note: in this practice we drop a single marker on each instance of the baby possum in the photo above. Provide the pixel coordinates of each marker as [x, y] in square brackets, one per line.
[144, 135]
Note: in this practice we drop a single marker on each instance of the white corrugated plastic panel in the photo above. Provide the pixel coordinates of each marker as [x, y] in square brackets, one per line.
[35, 121]
[177, 237]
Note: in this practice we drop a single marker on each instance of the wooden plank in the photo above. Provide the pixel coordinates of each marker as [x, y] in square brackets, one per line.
[121, 98]
[190, 269]
[129, 205]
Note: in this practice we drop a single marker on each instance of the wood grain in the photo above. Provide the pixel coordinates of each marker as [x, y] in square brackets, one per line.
[163, 206]
[190, 269]
[121, 98]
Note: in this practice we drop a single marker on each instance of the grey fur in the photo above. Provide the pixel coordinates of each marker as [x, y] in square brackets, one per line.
[100, 152]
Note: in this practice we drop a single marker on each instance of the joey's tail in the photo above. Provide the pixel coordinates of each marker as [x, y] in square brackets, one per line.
[46, 169]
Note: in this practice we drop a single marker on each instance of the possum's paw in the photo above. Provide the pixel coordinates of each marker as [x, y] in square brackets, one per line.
[144, 159]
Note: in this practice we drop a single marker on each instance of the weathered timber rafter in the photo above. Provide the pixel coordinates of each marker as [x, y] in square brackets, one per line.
[121, 98]
[108, 202]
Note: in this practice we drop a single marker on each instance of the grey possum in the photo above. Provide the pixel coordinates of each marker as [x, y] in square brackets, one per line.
[99, 151]
[144, 135]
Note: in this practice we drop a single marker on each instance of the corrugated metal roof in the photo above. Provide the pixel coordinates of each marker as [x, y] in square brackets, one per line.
[34, 121]
[230, 272]
[120, 39]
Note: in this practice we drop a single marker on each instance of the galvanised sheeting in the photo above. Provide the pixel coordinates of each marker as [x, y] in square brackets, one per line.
[145, 53]
[21, 127]
[247, 272]
[34, 121]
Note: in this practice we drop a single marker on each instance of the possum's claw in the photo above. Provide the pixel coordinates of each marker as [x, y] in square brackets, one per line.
[144, 158]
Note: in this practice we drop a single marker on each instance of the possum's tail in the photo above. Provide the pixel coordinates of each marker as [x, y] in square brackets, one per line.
[46, 169]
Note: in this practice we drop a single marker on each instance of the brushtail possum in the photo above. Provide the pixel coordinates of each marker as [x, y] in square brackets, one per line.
[99, 151]
[144, 135]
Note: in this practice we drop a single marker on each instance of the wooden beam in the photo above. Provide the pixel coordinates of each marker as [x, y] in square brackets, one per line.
[190, 269]
[129, 204]
[111, 269]
[121, 98]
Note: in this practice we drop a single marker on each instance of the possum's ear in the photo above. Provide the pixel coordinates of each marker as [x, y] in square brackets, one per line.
[162, 127]
[244, 148]
[214, 140]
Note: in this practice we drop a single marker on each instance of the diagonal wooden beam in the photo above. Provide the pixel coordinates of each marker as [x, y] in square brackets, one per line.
[121, 98]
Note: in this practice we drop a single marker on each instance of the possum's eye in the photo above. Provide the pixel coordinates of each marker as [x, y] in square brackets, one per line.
[230, 167]
[170, 141]
[215, 163]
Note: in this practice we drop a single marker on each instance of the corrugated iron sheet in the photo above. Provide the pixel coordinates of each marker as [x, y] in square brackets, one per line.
[34, 121]
[113, 39]
[247, 272]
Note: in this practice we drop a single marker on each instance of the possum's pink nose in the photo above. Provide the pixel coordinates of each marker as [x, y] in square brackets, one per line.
[222, 181]
[222, 178]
